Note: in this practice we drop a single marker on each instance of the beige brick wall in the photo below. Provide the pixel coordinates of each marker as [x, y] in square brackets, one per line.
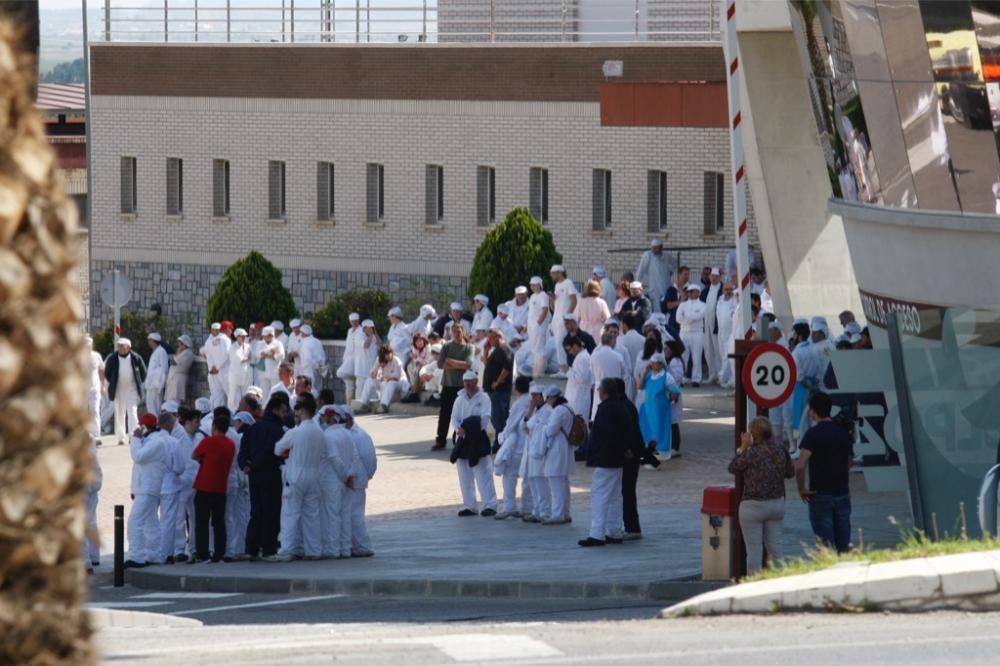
[405, 136]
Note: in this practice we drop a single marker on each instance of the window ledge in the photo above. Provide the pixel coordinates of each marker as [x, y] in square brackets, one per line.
[326, 223]
[602, 233]
[224, 219]
[374, 225]
[175, 218]
[129, 217]
[277, 221]
[712, 237]
[434, 227]
[663, 235]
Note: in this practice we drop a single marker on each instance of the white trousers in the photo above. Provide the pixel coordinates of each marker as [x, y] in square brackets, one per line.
[692, 351]
[184, 524]
[144, 529]
[265, 387]
[558, 487]
[558, 328]
[335, 514]
[359, 385]
[94, 402]
[510, 494]
[217, 390]
[606, 503]
[537, 336]
[125, 406]
[236, 392]
[725, 364]
[385, 390]
[710, 344]
[154, 399]
[237, 517]
[540, 497]
[91, 547]
[346, 373]
[359, 530]
[170, 509]
[481, 476]
[301, 527]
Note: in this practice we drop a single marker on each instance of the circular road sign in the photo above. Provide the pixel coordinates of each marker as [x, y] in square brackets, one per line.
[115, 289]
[769, 375]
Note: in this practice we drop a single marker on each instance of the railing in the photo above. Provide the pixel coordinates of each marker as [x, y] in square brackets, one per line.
[420, 21]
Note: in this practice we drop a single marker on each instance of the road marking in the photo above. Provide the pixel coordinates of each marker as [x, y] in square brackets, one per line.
[127, 604]
[187, 595]
[487, 647]
[718, 420]
[259, 604]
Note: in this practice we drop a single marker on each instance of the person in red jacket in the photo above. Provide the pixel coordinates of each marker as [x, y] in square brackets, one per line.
[215, 455]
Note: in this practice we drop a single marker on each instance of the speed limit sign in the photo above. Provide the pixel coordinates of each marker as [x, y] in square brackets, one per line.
[769, 375]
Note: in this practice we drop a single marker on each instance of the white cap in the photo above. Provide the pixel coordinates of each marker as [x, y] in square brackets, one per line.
[480, 328]
[436, 349]
[612, 322]
[245, 418]
[124, 341]
[255, 391]
[503, 308]
[658, 317]
[268, 330]
[495, 329]
[186, 339]
[715, 271]
[327, 410]
[521, 289]
[456, 306]
[277, 325]
[818, 324]
[693, 286]
[552, 391]
[800, 321]
[656, 242]
[238, 332]
[557, 268]
[354, 316]
[203, 405]
[658, 358]
[344, 410]
[635, 285]
[427, 310]
[395, 311]
[776, 325]
[536, 280]
[306, 329]
[853, 328]
[170, 407]
[482, 298]
[569, 316]
[536, 388]
[295, 323]
[154, 336]
[470, 376]
[216, 326]
[367, 323]
[600, 271]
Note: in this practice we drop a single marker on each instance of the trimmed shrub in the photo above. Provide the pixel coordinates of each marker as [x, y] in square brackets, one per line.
[250, 290]
[511, 253]
[330, 323]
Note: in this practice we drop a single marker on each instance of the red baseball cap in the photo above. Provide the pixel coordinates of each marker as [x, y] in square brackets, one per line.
[148, 419]
[227, 325]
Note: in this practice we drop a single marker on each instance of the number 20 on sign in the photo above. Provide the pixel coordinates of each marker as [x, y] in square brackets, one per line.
[769, 375]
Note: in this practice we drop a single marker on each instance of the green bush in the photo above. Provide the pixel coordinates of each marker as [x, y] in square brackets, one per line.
[250, 290]
[330, 322]
[512, 252]
[136, 326]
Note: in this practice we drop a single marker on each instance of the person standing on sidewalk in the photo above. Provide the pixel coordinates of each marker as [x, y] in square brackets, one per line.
[258, 462]
[827, 450]
[215, 455]
[455, 359]
[498, 377]
[765, 465]
[470, 416]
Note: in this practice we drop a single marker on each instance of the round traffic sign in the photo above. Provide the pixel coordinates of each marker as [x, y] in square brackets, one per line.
[115, 289]
[769, 375]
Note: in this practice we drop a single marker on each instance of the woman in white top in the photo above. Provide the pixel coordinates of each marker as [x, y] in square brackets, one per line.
[675, 366]
[559, 461]
[592, 310]
[420, 356]
[387, 378]
[365, 354]
[539, 318]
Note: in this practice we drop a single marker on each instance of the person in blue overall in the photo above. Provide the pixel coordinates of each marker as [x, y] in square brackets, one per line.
[655, 414]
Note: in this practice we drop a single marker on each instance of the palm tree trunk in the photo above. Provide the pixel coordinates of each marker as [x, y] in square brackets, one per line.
[44, 446]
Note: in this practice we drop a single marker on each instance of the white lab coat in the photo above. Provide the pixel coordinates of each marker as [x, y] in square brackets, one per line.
[240, 373]
[156, 379]
[364, 357]
[149, 465]
[311, 359]
[506, 326]
[341, 463]
[216, 353]
[170, 495]
[604, 362]
[94, 391]
[609, 293]
[629, 361]
[691, 318]
[656, 274]
[519, 313]
[507, 463]
[292, 347]
[565, 296]
[580, 385]
[711, 339]
[725, 310]
[483, 319]
[177, 376]
[558, 453]
[301, 525]
[271, 364]
[400, 339]
[533, 462]
[368, 465]
[538, 333]
[481, 476]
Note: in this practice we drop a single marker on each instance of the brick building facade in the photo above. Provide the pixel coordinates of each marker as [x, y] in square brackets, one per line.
[175, 122]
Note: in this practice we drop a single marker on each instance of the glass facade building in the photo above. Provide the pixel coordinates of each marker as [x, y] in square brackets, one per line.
[906, 98]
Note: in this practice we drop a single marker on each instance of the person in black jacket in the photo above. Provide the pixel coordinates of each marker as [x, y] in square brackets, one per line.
[125, 372]
[614, 438]
[257, 460]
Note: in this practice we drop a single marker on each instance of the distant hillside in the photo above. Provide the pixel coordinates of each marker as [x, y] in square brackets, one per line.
[65, 72]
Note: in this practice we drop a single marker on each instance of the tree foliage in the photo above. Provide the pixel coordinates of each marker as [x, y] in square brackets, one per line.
[250, 290]
[330, 322]
[65, 72]
[512, 252]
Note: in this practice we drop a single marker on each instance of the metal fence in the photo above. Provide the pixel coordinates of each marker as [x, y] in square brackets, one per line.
[418, 21]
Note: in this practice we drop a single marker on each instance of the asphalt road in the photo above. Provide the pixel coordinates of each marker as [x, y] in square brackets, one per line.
[817, 640]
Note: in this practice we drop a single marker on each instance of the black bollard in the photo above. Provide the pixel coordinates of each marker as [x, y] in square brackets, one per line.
[119, 545]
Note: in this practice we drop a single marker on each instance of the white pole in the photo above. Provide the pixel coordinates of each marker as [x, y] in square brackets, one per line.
[737, 169]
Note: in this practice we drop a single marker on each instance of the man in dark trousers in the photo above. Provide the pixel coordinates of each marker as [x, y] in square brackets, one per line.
[258, 462]
[498, 376]
[455, 358]
[125, 372]
[827, 450]
[215, 458]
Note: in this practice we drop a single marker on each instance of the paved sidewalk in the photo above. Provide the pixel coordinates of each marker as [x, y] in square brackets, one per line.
[968, 581]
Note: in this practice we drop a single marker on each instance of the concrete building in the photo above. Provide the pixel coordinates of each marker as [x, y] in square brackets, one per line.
[384, 165]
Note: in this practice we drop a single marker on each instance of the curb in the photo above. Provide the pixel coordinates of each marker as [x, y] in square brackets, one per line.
[668, 590]
[102, 618]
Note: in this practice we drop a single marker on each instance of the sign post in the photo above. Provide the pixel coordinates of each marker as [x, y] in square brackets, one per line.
[116, 291]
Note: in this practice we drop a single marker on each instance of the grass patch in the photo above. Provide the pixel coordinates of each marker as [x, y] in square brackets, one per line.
[914, 545]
